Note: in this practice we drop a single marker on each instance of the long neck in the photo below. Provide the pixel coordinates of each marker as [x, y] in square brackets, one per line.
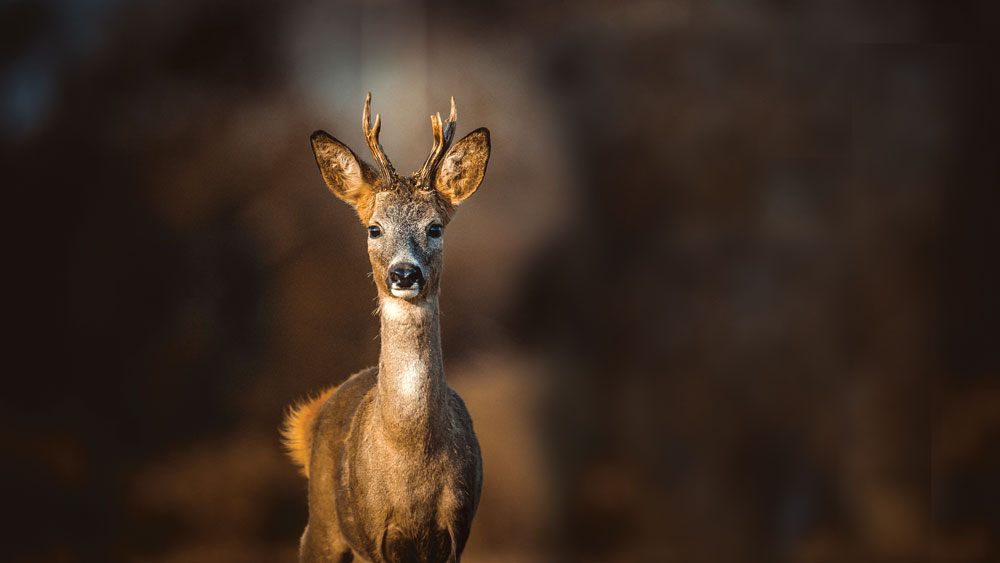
[411, 386]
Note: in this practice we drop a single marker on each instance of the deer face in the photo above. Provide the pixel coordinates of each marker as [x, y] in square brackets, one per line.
[405, 236]
[405, 217]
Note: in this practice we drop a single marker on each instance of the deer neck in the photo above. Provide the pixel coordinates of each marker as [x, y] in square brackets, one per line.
[411, 387]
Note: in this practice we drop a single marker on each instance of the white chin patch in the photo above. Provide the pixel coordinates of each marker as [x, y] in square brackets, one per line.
[408, 293]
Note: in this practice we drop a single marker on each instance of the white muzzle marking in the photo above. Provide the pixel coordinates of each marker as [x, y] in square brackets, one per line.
[407, 293]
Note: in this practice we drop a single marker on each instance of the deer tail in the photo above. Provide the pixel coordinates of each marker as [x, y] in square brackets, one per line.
[300, 427]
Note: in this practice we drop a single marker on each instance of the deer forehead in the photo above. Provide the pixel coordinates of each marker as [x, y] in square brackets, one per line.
[407, 209]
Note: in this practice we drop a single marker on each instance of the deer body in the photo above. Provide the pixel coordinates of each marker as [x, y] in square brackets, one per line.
[394, 466]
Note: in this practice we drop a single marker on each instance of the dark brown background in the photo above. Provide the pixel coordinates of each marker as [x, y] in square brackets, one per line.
[728, 293]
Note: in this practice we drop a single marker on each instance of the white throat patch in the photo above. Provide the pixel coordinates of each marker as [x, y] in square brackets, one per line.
[407, 364]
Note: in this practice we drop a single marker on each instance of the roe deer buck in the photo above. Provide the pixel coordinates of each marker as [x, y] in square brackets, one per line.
[393, 463]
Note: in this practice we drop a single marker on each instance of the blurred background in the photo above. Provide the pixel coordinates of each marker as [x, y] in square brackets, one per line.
[728, 292]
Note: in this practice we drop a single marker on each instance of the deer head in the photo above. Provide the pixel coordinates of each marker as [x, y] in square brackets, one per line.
[405, 216]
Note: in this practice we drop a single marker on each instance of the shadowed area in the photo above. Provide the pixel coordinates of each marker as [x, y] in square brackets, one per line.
[727, 293]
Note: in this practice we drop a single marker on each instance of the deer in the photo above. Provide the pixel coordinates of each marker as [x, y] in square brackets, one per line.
[393, 465]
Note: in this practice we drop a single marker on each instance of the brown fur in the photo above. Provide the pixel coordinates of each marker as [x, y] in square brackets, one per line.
[300, 427]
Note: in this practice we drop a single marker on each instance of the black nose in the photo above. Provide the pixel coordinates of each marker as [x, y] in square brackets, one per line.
[405, 275]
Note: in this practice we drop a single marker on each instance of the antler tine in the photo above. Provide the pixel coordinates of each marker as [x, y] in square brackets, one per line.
[386, 171]
[450, 126]
[453, 118]
[443, 134]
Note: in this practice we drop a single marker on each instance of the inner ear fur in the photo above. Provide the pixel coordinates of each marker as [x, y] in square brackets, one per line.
[348, 177]
[463, 166]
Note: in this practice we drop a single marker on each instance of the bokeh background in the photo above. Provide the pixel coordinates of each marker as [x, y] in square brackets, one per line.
[728, 293]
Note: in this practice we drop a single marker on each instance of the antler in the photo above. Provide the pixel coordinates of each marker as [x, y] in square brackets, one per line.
[386, 171]
[442, 140]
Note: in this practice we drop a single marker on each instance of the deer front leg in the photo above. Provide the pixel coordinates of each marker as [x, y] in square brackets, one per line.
[323, 548]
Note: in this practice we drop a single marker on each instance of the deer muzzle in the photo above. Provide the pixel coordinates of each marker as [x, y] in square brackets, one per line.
[405, 280]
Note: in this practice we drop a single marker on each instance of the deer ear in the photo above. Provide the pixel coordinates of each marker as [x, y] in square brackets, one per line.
[347, 176]
[463, 166]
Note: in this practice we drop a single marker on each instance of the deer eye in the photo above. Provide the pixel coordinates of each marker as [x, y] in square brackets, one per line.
[374, 231]
[434, 231]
